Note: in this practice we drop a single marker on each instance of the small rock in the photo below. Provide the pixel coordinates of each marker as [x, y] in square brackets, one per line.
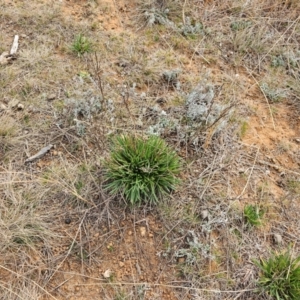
[20, 106]
[121, 264]
[51, 97]
[110, 246]
[181, 260]
[68, 220]
[54, 153]
[277, 238]
[277, 168]
[143, 231]
[204, 215]
[129, 232]
[107, 273]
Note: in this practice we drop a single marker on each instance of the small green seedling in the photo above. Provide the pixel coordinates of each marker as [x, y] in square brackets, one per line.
[81, 45]
[253, 215]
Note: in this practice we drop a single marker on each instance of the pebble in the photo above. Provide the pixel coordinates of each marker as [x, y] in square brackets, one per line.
[181, 260]
[51, 97]
[109, 246]
[20, 106]
[204, 215]
[68, 220]
[107, 273]
[143, 231]
[277, 238]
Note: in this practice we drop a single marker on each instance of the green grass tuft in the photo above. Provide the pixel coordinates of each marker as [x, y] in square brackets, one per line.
[253, 215]
[280, 276]
[81, 45]
[142, 169]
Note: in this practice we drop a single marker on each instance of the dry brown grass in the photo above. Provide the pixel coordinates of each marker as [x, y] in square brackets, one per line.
[8, 126]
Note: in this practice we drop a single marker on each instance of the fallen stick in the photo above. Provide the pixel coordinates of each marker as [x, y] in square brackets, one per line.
[278, 167]
[40, 154]
[14, 47]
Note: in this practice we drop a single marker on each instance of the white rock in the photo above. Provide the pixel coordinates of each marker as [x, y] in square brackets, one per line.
[204, 215]
[20, 106]
[107, 273]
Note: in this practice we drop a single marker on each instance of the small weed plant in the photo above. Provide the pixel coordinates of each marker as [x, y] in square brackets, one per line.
[253, 215]
[142, 169]
[280, 276]
[81, 45]
[274, 95]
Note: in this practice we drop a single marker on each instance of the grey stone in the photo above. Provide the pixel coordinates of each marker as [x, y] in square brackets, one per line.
[277, 238]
